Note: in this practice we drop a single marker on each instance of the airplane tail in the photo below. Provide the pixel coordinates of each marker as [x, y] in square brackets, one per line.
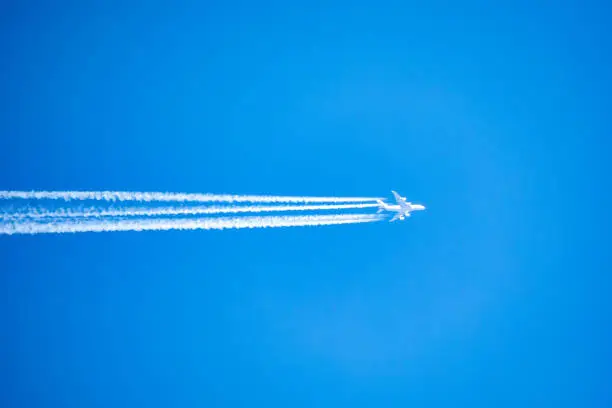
[381, 206]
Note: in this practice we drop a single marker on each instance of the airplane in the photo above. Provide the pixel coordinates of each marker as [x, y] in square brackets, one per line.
[402, 208]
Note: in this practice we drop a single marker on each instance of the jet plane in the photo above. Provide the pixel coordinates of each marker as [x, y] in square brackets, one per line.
[402, 209]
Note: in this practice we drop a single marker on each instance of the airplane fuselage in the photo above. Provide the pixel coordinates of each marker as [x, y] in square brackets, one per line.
[391, 207]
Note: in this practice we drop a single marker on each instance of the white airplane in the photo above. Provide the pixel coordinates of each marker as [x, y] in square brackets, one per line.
[402, 208]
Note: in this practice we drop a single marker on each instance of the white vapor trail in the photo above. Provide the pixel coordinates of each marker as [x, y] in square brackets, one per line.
[72, 226]
[94, 212]
[177, 197]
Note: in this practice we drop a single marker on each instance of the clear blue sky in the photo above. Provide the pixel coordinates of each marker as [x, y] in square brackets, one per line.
[494, 116]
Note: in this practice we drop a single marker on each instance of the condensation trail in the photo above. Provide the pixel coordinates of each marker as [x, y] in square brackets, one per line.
[177, 197]
[94, 212]
[72, 226]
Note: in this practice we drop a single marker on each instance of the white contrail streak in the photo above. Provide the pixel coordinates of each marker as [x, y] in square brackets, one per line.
[177, 197]
[93, 212]
[72, 226]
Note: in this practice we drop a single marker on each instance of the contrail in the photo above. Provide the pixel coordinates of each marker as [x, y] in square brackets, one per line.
[93, 212]
[177, 197]
[72, 226]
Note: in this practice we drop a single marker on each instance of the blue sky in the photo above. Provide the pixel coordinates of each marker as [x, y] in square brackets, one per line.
[494, 116]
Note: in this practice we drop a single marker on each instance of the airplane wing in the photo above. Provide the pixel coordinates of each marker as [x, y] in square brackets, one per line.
[401, 201]
[395, 217]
